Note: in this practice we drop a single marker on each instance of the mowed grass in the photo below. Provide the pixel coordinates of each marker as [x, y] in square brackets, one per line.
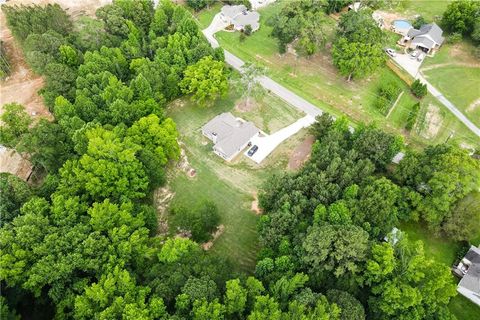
[461, 85]
[316, 80]
[431, 10]
[231, 186]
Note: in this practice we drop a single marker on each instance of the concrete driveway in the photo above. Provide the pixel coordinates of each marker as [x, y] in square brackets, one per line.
[408, 63]
[266, 144]
[217, 25]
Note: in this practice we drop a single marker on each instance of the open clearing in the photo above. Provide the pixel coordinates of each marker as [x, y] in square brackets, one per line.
[232, 186]
[316, 80]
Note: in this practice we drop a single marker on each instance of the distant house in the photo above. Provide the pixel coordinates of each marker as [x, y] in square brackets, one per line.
[230, 135]
[428, 39]
[239, 17]
[469, 270]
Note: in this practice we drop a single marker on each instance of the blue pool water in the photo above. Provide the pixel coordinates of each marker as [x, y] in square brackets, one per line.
[401, 24]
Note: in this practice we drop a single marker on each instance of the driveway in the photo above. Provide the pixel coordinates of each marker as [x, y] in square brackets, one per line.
[412, 67]
[266, 144]
[406, 62]
[216, 25]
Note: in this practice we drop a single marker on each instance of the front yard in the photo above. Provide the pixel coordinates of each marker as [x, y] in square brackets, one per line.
[232, 186]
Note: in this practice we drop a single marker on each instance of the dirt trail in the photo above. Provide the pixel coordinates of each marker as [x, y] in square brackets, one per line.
[452, 64]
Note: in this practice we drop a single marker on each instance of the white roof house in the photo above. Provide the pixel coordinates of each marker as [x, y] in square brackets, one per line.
[469, 270]
[230, 135]
[240, 17]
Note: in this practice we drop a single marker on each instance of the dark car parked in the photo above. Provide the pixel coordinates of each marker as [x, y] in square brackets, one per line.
[252, 151]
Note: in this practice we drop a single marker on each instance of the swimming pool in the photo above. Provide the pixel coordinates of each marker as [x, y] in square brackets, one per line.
[401, 24]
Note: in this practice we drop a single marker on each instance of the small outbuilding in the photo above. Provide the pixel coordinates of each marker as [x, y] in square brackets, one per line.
[469, 270]
[229, 134]
[239, 16]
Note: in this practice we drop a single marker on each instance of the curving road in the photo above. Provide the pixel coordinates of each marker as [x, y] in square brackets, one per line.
[266, 82]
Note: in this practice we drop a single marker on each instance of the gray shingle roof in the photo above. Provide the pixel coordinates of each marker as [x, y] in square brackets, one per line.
[427, 35]
[231, 133]
[471, 280]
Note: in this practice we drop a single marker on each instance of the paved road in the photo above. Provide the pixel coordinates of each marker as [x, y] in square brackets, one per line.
[266, 82]
[412, 67]
[440, 97]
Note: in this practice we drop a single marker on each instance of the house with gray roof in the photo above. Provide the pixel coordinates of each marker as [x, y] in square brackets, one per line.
[427, 39]
[239, 17]
[229, 134]
[469, 270]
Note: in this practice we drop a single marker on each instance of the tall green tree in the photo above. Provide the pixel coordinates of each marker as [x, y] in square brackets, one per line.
[15, 123]
[206, 80]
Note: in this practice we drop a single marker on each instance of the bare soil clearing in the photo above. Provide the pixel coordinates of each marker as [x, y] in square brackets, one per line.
[161, 200]
[216, 234]
[12, 162]
[474, 106]
[255, 208]
[22, 84]
[433, 121]
[301, 153]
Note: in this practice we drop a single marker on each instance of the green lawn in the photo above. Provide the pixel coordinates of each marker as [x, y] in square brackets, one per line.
[316, 80]
[461, 85]
[205, 17]
[431, 10]
[230, 185]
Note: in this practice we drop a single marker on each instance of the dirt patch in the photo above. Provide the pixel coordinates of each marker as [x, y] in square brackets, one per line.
[389, 17]
[474, 105]
[246, 106]
[22, 84]
[433, 122]
[215, 235]
[183, 163]
[12, 162]
[254, 207]
[301, 153]
[161, 201]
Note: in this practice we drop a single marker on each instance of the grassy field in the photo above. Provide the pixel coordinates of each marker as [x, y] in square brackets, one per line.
[230, 185]
[431, 10]
[316, 80]
[465, 93]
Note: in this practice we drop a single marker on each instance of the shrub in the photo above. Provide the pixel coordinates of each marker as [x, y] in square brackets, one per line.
[248, 30]
[454, 38]
[387, 93]
[412, 116]
[4, 64]
[419, 22]
[200, 220]
[419, 89]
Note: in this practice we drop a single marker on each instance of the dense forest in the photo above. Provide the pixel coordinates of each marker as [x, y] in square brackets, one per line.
[83, 244]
